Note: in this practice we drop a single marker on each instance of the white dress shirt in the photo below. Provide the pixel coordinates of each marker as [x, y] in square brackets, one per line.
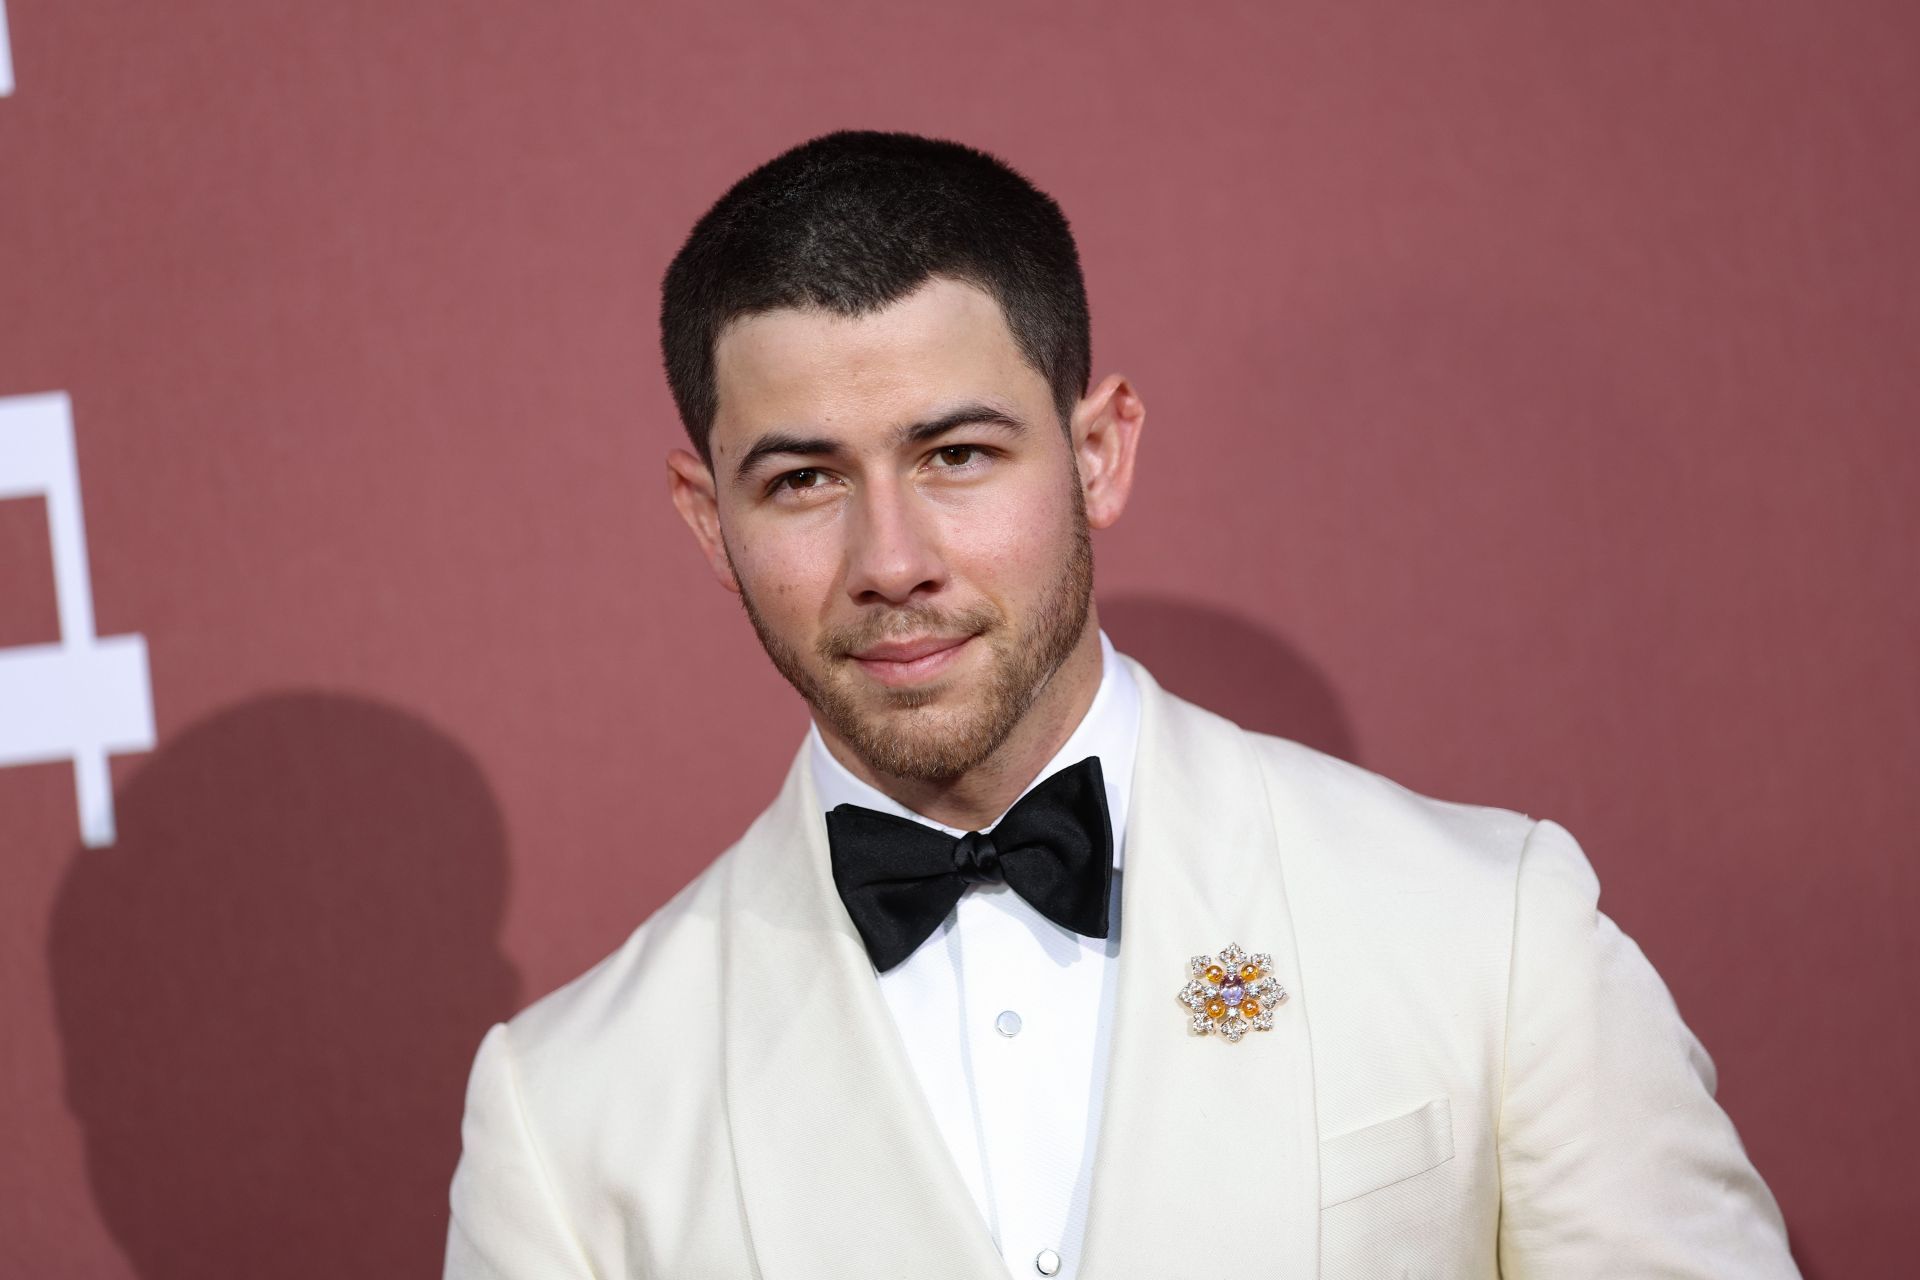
[1006, 1015]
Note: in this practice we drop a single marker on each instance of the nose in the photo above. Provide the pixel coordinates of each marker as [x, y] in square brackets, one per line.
[893, 552]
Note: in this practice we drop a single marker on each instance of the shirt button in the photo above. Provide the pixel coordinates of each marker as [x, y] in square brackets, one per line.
[1047, 1262]
[1008, 1025]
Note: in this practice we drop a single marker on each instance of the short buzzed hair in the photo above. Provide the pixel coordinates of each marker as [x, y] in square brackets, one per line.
[851, 223]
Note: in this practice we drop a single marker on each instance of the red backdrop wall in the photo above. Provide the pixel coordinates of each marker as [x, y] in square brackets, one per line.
[1533, 404]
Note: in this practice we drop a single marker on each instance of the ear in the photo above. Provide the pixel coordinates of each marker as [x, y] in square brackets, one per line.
[690, 481]
[1106, 434]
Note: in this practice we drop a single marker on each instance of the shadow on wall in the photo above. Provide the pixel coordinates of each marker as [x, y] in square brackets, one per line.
[1231, 666]
[270, 990]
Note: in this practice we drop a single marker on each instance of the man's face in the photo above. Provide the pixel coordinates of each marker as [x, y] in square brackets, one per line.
[902, 515]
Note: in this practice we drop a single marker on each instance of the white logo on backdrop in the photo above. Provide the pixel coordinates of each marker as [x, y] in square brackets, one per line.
[82, 697]
[6, 54]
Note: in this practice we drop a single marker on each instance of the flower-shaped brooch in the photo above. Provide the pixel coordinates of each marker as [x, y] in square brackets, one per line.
[1232, 994]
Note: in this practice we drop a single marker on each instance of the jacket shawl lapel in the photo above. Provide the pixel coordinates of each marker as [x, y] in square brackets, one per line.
[1208, 1159]
[842, 1168]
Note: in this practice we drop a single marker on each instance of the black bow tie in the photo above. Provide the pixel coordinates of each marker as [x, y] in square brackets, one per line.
[899, 878]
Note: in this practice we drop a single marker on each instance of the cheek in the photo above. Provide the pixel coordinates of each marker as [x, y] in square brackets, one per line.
[1012, 547]
[788, 569]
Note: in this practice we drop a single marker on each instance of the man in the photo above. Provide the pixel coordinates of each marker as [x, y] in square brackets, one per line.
[963, 1002]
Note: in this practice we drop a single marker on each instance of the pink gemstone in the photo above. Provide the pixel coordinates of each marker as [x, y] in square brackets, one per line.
[1233, 993]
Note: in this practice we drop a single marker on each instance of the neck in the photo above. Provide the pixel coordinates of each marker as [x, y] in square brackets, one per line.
[975, 798]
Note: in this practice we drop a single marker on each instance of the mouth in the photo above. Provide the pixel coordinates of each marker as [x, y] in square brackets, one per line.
[904, 662]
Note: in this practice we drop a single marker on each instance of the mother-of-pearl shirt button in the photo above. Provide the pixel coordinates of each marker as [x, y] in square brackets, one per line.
[1018, 1112]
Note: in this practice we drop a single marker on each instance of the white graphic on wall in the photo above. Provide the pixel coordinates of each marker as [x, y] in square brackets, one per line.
[84, 697]
[6, 54]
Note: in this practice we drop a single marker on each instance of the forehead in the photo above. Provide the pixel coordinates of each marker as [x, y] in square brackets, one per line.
[813, 368]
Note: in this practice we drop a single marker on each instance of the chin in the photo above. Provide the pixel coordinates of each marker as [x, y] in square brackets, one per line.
[923, 743]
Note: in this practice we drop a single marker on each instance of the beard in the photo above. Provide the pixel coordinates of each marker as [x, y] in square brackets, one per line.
[900, 732]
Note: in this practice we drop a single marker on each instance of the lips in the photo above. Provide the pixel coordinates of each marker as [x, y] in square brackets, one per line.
[899, 662]
[909, 650]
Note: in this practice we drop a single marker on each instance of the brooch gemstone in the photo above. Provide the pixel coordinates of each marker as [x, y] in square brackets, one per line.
[1232, 993]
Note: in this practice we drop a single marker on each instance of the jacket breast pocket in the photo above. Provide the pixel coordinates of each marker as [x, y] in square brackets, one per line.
[1379, 1155]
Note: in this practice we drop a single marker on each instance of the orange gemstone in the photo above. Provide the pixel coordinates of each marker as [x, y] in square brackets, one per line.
[1216, 1008]
[1215, 974]
[1248, 972]
[1249, 1008]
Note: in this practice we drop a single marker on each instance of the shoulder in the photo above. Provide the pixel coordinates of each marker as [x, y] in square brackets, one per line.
[661, 975]
[1380, 826]
[628, 1052]
[631, 1046]
[640, 1029]
[1343, 817]
[650, 1013]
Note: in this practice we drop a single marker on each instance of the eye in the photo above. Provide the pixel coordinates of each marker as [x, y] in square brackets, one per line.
[805, 478]
[957, 455]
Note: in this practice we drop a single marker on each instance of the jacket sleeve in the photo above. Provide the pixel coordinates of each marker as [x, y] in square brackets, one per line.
[1614, 1157]
[507, 1222]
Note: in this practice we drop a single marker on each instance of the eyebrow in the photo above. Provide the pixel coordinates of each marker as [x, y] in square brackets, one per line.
[788, 442]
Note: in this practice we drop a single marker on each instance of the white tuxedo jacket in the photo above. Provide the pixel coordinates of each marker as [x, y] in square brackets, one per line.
[1475, 1074]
